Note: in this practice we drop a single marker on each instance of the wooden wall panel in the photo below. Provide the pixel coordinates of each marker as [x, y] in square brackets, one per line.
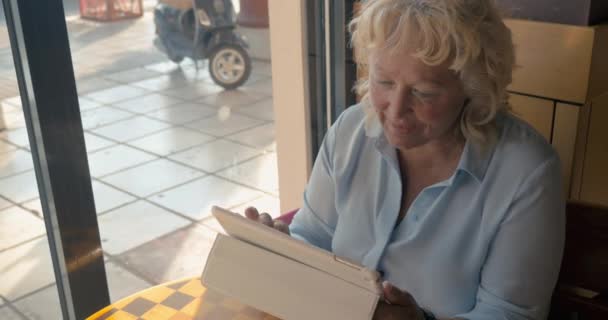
[553, 60]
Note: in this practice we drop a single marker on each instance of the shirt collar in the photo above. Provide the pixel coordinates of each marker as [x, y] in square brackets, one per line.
[473, 160]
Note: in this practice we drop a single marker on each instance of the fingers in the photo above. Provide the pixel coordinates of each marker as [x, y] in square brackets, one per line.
[264, 218]
[401, 303]
[382, 311]
[281, 226]
[391, 312]
[252, 213]
[395, 296]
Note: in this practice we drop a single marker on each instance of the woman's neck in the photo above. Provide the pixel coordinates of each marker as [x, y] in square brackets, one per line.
[441, 153]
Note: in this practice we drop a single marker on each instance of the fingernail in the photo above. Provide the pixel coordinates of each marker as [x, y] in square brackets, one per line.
[387, 285]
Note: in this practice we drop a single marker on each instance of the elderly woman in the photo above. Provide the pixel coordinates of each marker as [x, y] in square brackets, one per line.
[430, 180]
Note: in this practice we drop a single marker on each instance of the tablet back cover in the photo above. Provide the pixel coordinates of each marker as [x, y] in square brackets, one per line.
[277, 242]
[282, 287]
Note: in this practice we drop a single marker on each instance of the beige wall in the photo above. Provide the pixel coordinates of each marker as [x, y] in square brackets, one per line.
[290, 87]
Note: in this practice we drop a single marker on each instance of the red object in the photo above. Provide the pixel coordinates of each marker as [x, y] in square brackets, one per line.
[253, 14]
[287, 217]
[111, 10]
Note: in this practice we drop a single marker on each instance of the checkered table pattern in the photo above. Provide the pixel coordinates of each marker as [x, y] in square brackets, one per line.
[179, 300]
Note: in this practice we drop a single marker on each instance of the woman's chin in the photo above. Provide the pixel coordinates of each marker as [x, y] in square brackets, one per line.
[405, 143]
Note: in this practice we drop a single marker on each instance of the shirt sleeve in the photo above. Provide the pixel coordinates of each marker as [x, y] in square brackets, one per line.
[523, 262]
[316, 220]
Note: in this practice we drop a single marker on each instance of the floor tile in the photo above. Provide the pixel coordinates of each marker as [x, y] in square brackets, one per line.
[191, 73]
[152, 177]
[214, 225]
[196, 198]
[148, 103]
[12, 101]
[6, 313]
[262, 86]
[262, 137]
[224, 123]
[14, 162]
[42, 305]
[13, 120]
[98, 117]
[135, 224]
[25, 268]
[254, 78]
[34, 206]
[4, 204]
[17, 137]
[94, 143]
[106, 198]
[263, 110]
[116, 94]
[132, 128]
[163, 82]
[233, 98]
[261, 67]
[18, 226]
[194, 91]
[215, 155]
[116, 158]
[20, 187]
[122, 282]
[183, 113]
[5, 146]
[171, 141]
[178, 255]
[260, 173]
[86, 86]
[87, 104]
[131, 75]
[163, 67]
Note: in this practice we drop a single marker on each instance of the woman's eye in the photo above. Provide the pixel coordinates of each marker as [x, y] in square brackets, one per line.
[385, 83]
[424, 94]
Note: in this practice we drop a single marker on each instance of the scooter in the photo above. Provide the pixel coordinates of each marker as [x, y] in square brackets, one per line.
[204, 30]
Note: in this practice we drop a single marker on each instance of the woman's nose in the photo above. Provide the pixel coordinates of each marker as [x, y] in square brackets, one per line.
[401, 103]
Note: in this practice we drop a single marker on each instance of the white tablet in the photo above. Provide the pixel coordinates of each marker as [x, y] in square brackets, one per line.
[278, 242]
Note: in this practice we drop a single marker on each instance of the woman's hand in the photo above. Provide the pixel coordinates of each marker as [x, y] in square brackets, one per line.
[264, 218]
[401, 305]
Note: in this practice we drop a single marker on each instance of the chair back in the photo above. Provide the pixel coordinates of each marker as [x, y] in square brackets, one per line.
[288, 216]
[582, 287]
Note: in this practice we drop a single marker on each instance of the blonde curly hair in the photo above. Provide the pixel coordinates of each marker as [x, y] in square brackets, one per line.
[469, 35]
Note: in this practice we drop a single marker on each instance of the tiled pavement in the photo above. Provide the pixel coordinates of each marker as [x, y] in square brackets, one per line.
[164, 144]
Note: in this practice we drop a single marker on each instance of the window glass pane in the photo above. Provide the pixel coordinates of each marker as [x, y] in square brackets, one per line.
[164, 143]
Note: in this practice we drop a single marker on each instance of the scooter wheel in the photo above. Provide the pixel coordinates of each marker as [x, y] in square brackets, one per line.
[229, 66]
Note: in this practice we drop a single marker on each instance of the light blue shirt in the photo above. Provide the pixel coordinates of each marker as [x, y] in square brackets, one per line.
[484, 244]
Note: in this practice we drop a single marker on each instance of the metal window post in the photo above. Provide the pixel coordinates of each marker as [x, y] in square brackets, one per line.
[41, 52]
[332, 70]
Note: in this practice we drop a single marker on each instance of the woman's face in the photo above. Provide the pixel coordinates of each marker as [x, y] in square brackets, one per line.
[416, 103]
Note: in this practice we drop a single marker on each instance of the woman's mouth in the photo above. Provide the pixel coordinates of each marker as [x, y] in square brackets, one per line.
[401, 129]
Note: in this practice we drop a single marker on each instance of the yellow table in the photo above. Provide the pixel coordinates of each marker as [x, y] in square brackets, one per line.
[179, 300]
